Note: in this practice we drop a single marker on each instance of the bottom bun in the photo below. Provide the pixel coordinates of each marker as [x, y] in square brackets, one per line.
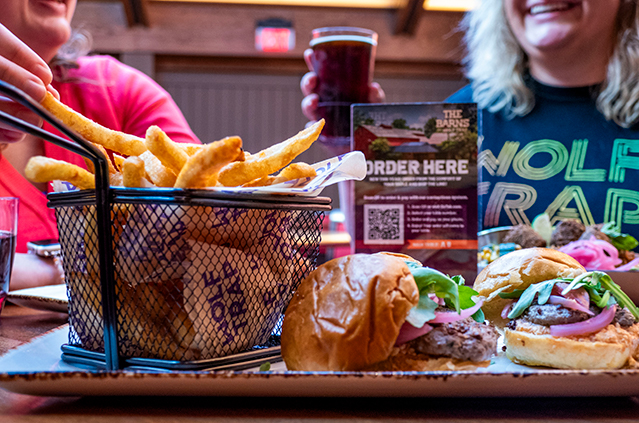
[567, 353]
[406, 359]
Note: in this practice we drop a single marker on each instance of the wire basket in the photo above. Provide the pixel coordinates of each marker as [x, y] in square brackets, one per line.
[192, 281]
[174, 275]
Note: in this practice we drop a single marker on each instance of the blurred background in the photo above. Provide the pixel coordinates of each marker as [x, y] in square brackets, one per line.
[234, 66]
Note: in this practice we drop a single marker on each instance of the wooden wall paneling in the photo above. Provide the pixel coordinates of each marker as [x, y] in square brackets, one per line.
[408, 14]
[228, 30]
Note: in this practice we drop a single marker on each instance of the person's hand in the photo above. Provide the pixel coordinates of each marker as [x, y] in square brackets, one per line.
[23, 68]
[309, 83]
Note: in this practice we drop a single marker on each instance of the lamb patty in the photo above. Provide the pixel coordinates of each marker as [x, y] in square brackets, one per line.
[624, 317]
[464, 339]
[567, 231]
[525, 236]
[555, 314]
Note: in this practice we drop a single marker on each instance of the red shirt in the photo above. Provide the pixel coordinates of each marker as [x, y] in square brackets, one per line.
[112, 94]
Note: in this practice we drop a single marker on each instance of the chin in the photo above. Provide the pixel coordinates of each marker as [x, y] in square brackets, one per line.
[548, 37]
[49, 34]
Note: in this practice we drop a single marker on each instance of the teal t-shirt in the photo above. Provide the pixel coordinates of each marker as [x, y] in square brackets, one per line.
[563, 158]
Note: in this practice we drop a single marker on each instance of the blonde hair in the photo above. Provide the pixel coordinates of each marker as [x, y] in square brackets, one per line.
[497, 66]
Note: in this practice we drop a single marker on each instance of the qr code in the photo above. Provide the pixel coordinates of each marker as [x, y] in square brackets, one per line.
[384, 224]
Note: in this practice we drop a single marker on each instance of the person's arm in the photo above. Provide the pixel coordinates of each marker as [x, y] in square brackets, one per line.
[30, 270]
[23, 68]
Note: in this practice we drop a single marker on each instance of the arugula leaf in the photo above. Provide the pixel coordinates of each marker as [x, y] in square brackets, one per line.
[411, 264]
[459, 280]
[622, 298]
[511, 295]
[453, 290]
[479, 316]
[619, 240]
[422, 312]
[603, 291]
[265, 367]
[542, 288]
[518, 292]
[433, 281]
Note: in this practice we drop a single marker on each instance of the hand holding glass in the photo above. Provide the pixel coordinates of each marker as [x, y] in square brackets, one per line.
[343, 59]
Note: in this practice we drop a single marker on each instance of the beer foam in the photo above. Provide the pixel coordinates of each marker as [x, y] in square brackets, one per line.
[332, 38]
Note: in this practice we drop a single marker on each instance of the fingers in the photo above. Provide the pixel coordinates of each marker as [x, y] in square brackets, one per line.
[9, 136]
[309, 107]
[309, 103]
[376, 94]
[22, 67]
[308, 83]
[7, 133]
[53, 91]
[307, 58]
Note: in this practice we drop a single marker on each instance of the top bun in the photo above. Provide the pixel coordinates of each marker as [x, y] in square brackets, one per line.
[518, 270]
[347, 313]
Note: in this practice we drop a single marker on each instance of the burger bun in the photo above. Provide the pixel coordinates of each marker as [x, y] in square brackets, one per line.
[518, 270]
[346, 315]
[568, 353]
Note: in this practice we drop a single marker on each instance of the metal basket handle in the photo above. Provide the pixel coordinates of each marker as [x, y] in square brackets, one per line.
[102, 201]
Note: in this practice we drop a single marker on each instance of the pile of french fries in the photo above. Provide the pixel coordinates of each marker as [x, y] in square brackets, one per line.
[158, 161]
[165, 260]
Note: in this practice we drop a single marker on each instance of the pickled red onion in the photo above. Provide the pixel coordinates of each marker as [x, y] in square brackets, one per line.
[591, 325]
[580, 294]
[569, 303]
[506, 309]
[409, 332]
[594, 253]
[453, 316]
[434, 297]
[628, 266]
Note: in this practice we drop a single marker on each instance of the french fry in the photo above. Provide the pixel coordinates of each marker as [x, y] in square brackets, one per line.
[293, 171]
[89, 163]
[116, 180]
[45, 169]
[133, 173]
[119, 142]
[191, 149]
[167, 151]
[271, 159]
[156, 171]
[118, 161]
[260, 182]
[202, 168]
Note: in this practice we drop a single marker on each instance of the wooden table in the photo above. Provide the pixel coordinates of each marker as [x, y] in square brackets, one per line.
[18, 325]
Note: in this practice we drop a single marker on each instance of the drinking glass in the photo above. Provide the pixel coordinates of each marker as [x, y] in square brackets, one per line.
[8, 232]
[343, 59]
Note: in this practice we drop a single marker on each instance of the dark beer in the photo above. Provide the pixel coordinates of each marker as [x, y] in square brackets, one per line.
[344, 66]
[7, 252]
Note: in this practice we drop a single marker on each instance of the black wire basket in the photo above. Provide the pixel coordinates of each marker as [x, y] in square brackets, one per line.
[175, 278]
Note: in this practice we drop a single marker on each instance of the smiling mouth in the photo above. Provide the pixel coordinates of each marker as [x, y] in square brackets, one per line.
[553, 7]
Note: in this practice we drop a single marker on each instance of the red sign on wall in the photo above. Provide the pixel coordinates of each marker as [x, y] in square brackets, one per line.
[274, 40]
